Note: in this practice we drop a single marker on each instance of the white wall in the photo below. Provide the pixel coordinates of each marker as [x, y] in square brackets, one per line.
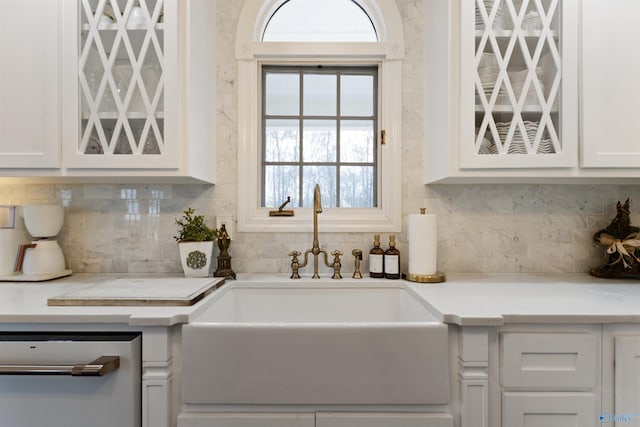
[483, 228]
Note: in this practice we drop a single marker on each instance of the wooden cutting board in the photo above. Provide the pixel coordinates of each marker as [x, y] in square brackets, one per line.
[141, 292]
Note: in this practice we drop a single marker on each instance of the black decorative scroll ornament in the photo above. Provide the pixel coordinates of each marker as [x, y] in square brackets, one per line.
[622, 241]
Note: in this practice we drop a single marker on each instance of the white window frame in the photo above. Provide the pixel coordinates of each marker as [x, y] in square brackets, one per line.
[388, 53]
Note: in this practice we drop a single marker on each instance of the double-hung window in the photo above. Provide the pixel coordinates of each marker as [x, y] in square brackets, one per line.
[314, 101]
[319, 126]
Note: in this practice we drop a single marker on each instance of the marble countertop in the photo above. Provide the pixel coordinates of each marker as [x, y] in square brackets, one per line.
[464, 299]
[496, 299]
[26, 302]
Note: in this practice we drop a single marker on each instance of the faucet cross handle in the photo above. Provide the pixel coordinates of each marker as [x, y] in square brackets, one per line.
[336, 265]
[295, 264]
[357, 253]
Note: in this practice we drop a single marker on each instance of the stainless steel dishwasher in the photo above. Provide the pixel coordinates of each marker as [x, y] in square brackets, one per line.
[70, 379]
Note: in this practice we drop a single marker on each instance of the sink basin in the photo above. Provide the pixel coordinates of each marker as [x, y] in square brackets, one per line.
[315, 343]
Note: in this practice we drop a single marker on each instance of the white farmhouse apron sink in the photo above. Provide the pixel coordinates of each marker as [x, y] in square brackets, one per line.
[302, 342]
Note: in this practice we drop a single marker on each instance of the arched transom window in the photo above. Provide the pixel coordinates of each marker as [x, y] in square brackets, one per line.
[320, 21]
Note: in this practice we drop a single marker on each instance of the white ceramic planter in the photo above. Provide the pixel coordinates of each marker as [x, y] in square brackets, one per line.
[196, 258]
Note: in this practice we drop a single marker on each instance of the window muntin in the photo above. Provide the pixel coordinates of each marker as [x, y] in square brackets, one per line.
[319, 126]
[320, 21]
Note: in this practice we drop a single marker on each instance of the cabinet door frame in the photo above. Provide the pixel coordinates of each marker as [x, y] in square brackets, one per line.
[71, 128]
[608, 85]
[568, 157]
[31, 108]
[626, 376]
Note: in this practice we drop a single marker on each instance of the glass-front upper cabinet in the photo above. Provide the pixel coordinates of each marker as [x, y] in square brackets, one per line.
[519, 85]
[124, 75]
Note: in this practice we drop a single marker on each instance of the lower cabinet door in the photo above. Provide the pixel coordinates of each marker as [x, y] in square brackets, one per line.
[247, 420]
[627, 382]
[547, 409]
[382, 419]
[319, 419]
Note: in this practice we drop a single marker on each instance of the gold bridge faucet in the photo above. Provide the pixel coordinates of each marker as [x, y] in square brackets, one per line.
[315, 249]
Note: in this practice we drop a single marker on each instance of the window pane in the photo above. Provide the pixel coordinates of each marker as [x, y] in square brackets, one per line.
[280, 182]
[356, 186]
[282, 94]
[319, 141]
[356, 96]
[320, 91]
[320, 20]
[281, 141]
[356, 141]
[326, 177]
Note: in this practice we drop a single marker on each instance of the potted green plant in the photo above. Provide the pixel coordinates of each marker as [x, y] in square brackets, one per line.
[195, 242]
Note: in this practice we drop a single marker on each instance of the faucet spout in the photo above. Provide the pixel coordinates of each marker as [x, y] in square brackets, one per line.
[317, 203]
[317, 209]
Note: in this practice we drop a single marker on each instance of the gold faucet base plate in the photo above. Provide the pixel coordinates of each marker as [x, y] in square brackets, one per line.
[424, 278]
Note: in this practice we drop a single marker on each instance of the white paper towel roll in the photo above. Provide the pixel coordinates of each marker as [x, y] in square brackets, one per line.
[422, 235]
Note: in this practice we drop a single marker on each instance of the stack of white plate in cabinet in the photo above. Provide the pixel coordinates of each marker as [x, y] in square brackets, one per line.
[488, 71]
[497, 22]
[517, 145]
[517, 79]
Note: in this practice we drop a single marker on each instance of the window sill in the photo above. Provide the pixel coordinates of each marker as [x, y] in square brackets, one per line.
[330, 220]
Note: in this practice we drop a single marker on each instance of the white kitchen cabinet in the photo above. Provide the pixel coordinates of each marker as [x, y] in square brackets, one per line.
[501, 87]
[621, 375]
[610, 66]
[627, 379]
[139, 88]
[311, 419]
[238, 419]
[549, 377]
[382, 419]
[108, 89]
[548, 409]
[549, 360]
[530, 375]
[30, 129]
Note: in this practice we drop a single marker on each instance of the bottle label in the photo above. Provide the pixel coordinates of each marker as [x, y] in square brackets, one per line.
[375, 263]
[391, 264]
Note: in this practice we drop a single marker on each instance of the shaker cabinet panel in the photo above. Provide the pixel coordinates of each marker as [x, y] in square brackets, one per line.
[549, 360]
[238, 419]
[627, 379]
[29, 84]
[610, 66]
[548, 409]
[382, 419]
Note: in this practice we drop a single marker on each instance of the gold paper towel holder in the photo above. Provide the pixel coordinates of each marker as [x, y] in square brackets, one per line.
[425, 278]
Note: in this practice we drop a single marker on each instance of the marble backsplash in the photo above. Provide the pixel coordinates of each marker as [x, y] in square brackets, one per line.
[482, 228]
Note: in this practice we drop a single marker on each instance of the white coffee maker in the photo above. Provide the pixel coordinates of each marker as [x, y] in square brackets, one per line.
[42, 259]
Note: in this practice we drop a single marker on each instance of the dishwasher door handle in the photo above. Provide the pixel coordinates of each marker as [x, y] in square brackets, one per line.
[97, 368]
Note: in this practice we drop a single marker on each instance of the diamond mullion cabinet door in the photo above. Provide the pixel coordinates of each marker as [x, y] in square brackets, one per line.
[501, 91]
[29, 85]
[518, 84]
[136, 77]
